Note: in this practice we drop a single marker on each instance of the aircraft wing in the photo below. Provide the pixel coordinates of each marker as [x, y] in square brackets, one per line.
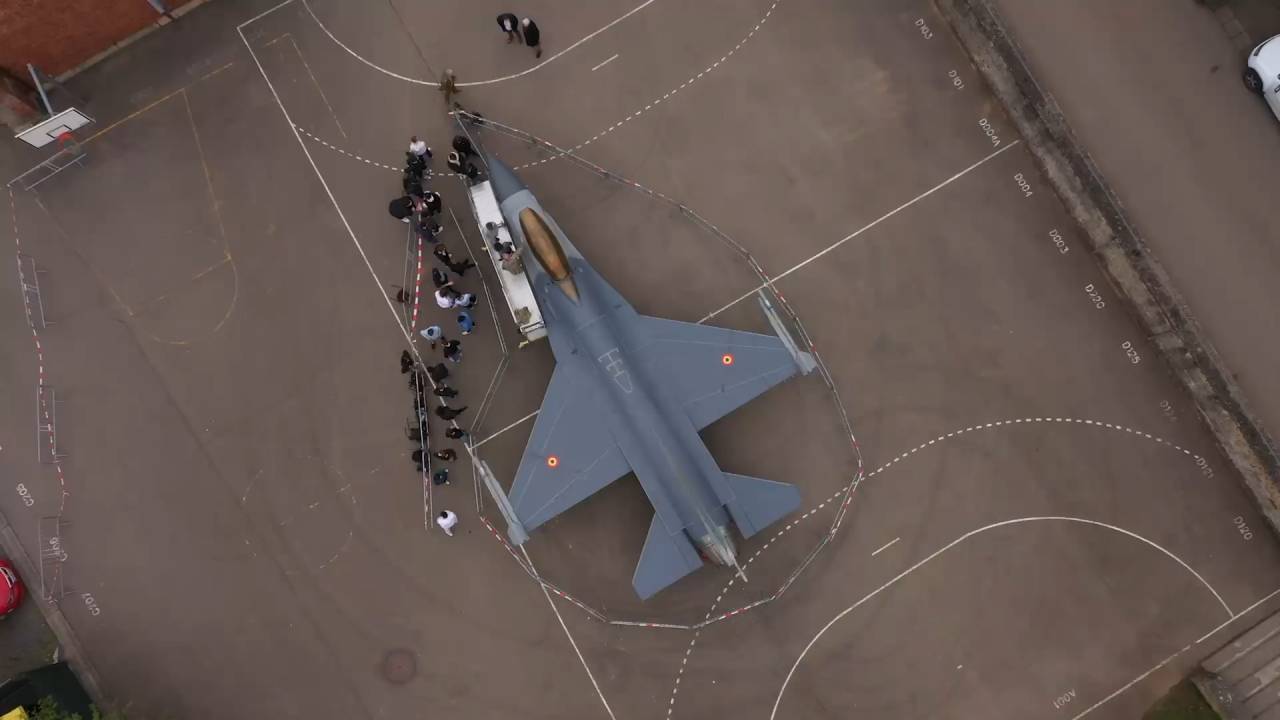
[712, 370]
[571, 453]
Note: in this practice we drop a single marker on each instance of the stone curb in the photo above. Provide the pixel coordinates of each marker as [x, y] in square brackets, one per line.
[1130, 267]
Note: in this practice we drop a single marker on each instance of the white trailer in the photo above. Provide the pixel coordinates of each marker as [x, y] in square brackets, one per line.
[515, 286]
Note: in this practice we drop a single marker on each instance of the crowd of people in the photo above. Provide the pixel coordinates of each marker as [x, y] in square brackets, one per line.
[420, 207]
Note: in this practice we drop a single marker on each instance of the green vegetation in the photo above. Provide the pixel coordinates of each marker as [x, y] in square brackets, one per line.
[48, 709]
[1183, 702]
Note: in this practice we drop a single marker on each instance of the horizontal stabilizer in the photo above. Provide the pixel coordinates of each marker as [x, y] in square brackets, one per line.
[759, 503]
[664, 560]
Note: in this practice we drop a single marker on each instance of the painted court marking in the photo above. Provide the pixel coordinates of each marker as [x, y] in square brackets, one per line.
[909, 453]
[886, 546]
[649, 106]
[972, 533]
[418, 81]
[606, 62]
[863, 229]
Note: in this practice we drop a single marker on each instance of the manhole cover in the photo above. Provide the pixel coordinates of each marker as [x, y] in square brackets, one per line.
[399, 666]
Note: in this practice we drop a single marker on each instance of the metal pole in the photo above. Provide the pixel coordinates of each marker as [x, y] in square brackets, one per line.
[35, 78]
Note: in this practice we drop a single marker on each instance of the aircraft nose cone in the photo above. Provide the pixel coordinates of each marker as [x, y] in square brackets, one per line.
[502, 179]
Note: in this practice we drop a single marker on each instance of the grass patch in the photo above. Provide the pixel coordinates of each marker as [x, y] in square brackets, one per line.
[1183, 702]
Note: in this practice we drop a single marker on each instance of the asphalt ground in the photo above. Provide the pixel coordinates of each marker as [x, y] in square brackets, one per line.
[1036, 526]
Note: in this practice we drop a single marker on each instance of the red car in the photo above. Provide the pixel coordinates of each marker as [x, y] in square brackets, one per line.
[10, 588]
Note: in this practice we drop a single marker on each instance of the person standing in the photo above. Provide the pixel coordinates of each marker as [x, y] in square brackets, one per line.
[447, 520]
[510, 25]
[433, 335]
[419, 149]
[449, 87]
[455, 433]
[466, 323]
[447, 454]
[440, 477]
[452, 351]
[465, 300]
[442, 254]
[401, 208]
[448, 413]
[444, 391]
[532, 36]
[446, 299]
[460, 268]
[438, 372]
[431, 202]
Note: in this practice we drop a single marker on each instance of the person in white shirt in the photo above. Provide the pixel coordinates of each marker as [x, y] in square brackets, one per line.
[447, 520]
[419, 148]
[446, 299]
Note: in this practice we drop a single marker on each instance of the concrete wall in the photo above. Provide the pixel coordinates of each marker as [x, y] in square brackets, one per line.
[58, 35]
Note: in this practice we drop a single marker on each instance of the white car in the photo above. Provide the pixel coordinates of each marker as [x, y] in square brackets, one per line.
[1262, 74]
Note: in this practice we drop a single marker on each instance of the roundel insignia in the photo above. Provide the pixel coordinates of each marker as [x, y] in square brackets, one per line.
[552, 461]
[727, 359]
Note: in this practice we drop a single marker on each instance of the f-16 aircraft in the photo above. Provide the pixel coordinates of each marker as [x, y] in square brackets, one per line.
[629, 394]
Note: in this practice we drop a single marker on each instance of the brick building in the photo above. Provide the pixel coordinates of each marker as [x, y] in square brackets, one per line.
[58, 35]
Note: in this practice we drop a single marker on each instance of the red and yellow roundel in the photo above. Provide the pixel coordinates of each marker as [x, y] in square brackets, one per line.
[726, 359]
[552, 461]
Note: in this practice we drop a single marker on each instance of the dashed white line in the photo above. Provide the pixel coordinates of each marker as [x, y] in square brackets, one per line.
[606, 62]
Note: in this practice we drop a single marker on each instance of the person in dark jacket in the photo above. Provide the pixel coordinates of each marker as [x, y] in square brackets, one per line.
[447, 454]
[448, 413]
[438, 372]
[532, 36]
[510, 25]
[401, 208]
[454, 433]
[444, 391]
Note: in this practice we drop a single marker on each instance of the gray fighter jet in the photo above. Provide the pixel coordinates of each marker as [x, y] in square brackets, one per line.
[629, 394]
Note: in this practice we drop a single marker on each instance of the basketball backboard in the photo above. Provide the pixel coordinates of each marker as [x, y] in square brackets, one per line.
[50, 129]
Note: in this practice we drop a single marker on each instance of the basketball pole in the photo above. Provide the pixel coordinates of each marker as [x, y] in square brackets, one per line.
[44, 98]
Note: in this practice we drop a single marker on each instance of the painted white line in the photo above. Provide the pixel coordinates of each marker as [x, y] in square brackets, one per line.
[1167, 660]
[1017, 521]
[329, 192]
[864, 228]
[606, 62]
[517, 422]
[569, 635]
[261, 15]
[886, 546]
[315, 82]
[431, 83]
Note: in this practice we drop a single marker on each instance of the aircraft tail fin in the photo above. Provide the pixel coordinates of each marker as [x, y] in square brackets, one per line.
[758, 503]
[665, 559]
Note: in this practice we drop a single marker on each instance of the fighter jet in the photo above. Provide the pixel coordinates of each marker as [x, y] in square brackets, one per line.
[629, 395]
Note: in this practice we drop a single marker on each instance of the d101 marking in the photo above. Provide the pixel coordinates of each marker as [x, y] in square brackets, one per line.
[923, 26]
